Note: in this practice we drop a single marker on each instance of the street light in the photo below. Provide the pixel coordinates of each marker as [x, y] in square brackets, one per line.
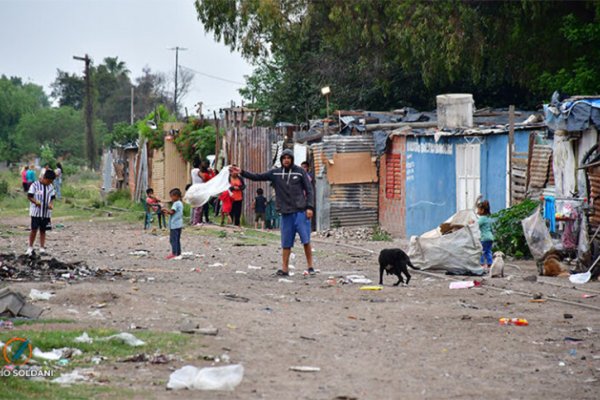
[325, 91]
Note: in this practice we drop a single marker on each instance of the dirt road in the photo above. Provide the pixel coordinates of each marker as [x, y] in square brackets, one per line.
[423, 341]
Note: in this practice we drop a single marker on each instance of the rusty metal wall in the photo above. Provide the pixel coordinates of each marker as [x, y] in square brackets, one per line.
[251, 149]
[540, 167]
[594, 177]
[349, 204]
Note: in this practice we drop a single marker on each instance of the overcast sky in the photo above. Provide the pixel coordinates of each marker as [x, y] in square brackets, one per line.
[39, 36]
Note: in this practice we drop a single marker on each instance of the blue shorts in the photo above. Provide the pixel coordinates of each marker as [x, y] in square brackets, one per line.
[290, 225]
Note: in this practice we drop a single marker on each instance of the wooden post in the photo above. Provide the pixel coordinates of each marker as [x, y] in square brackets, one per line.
[511, 143]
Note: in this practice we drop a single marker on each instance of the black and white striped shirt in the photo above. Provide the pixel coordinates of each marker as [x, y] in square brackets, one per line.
[44, 194]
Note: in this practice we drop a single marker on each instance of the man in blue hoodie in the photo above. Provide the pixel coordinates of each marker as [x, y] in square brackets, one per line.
[294, 199]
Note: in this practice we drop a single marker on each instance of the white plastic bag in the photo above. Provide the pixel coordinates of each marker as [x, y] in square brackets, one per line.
[537, 235]
[217, 378]
[199, 194]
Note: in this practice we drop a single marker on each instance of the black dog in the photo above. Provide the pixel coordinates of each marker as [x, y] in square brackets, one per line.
[394, 262]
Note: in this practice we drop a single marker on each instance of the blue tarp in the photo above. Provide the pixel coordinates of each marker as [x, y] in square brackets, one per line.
[571, 116]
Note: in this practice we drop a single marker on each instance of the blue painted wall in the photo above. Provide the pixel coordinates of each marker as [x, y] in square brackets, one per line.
[430, 187]
[431, 178]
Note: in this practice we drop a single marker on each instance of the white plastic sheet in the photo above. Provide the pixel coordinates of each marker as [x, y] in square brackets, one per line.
[457, 252]
[199, 194]
[217, 378]
[537, 235]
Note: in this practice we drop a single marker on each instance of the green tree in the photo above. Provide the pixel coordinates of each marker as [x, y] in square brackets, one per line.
[16, 99]
[121, 134]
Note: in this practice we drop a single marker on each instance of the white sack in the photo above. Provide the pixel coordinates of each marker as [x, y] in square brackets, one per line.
[216, 378]
[537, 235]
[457, 252]
[199, 194]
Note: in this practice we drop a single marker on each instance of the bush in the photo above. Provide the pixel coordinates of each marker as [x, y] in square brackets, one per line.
[379, 235]
[508, 232]
[118, 196]
[4, 188]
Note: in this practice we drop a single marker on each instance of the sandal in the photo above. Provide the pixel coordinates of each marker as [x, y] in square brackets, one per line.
[281, 272]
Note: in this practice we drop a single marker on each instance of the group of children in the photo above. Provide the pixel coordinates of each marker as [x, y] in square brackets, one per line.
[176, 213]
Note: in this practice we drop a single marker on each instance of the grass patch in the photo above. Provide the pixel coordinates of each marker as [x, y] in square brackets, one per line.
[20, 388]
[26, 322]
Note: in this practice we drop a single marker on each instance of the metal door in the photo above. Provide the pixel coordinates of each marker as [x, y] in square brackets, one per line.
[468, 181]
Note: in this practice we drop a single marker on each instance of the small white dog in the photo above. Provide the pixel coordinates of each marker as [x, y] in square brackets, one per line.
[497, 268]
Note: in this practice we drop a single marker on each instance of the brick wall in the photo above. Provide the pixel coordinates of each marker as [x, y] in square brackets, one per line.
[392, 179]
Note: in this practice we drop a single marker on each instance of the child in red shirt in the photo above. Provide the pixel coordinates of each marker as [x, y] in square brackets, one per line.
[227, 203]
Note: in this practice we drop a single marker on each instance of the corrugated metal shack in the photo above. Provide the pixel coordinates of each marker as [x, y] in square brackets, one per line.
[346, 181]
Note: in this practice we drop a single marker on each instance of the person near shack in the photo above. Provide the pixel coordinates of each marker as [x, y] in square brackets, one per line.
[237, 195]
[154, 206]
[295, 202]
[259, 205]
[226, 204]
[487, 237]
[196, 214]
[206, 174]
[41, 197]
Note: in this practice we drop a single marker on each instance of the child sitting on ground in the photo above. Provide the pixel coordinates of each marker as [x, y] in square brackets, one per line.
[41, 197]
[260, 208]
[175, 222]
[487, 237]
[226, 205]
[154, 205]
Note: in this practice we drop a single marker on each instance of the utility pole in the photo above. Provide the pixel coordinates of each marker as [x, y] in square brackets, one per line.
[131, 111]
[89, 112]
[176, 48]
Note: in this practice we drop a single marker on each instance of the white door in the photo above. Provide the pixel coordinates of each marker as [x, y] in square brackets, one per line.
[468, 181]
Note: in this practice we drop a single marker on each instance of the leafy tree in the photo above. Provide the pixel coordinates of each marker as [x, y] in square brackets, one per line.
[196, 141]
[68, 89]
[121, 134]
[16, 99]
[156, 136]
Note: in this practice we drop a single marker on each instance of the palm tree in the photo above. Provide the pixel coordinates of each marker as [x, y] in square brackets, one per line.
[116, 67]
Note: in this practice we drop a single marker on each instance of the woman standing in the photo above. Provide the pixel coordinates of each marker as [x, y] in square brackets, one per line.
[237, 189]
[196, 214]
[24, 178]
[58, 181]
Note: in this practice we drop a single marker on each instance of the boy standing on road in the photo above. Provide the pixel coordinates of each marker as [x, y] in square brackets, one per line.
[41, 197]
[295, 202]
[175, 222]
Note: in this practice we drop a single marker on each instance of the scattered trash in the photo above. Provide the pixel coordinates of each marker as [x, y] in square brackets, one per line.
[573, 353]
[83, 338]
[187, 255]
[537, 300]
[538, 295]
[568, 316]
[561, 364]
[359, 279]
[513, 321]
[63, 362]
[462, 285]
[39, 295]
[308, 338]
[6, 325]
[253, 267]
[74, 377]
[56, 354]
[235, 297]
[283, 280]
[139, 253]
[305, 369]
[588, 296]
[216, 378]
[124, 337]
[98, 359]
[96, 313]
[572, 339]
[195, 270]
[216, 265]
[38, 268]
[241, 272]
[13, 304]
[208, 331]
[371, 287]
[267, 310]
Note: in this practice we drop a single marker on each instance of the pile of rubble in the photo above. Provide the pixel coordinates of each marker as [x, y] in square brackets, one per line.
[37, 268]
[348, 233]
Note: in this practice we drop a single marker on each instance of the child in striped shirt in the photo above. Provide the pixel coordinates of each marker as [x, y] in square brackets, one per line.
[41, 197]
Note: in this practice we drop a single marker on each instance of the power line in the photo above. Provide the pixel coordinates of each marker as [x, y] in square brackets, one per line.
[213, 76]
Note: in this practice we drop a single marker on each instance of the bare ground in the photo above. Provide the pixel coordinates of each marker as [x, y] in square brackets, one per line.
[421, 341]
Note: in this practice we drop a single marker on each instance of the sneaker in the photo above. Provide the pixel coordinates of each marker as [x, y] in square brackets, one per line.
[170, 257]
[311, 271]
[42, 250]
[281, 272]
[29, 251]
